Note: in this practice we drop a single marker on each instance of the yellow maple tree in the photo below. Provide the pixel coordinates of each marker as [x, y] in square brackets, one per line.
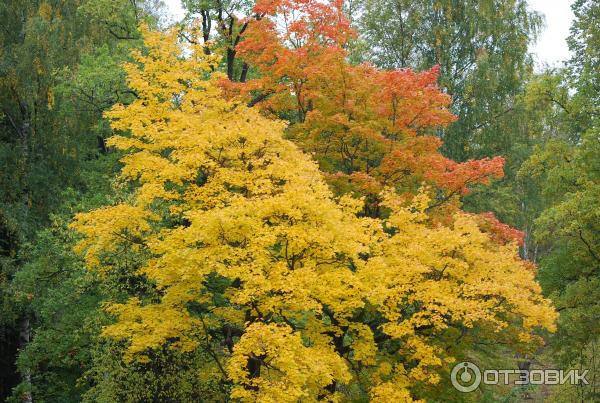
[256, 262]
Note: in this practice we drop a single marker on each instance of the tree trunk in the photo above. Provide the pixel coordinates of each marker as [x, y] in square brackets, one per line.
[230, 63]
[24, 323]
[24, 337]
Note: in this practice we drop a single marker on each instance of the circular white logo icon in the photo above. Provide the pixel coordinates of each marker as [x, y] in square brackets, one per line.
[465, 377]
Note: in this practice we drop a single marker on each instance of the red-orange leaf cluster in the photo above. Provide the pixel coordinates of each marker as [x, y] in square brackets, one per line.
[498, 231]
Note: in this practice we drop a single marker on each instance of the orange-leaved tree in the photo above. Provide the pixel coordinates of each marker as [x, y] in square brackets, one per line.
[368, 128]
[255, 261]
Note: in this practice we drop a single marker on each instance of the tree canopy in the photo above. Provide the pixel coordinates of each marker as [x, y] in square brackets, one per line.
[294, 200]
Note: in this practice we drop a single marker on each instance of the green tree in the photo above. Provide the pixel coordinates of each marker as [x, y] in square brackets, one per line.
[584, 66]
[224, 23]
[58, 72]
[543, 113]
[481, 47]
[565, 174]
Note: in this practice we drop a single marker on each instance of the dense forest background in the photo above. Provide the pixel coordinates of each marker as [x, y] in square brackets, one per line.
[61, 70]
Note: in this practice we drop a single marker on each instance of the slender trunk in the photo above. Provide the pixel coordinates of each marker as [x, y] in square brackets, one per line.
[244, 74]
[24, 337]
[230, 63]
[24, 322]
[102, 145]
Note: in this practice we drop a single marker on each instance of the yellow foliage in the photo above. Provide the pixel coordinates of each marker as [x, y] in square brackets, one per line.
[242, 233]
[290, 371]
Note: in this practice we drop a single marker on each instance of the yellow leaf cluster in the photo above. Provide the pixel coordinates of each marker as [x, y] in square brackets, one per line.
[290, 371]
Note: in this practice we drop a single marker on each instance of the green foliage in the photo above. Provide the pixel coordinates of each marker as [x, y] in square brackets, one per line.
[569, 230]
[52, 282]
[59, 69]
[584, 66]
[543, 118]
[171, 376]
[565, 173]
[481, 47]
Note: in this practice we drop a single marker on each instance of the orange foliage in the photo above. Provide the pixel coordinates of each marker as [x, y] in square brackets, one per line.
[499, 232]
[369, 128]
